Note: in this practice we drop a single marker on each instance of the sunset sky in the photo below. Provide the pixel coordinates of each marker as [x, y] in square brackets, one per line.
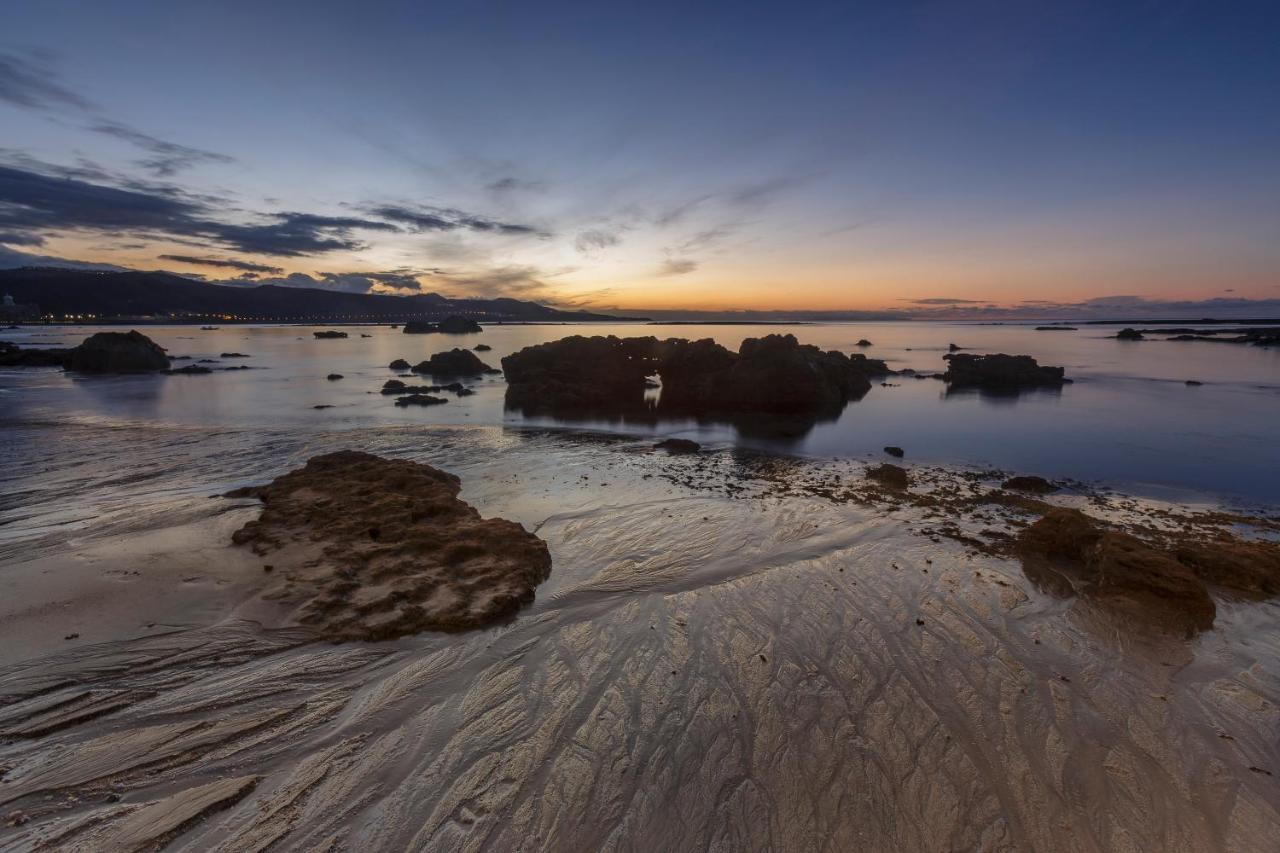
[650, 155]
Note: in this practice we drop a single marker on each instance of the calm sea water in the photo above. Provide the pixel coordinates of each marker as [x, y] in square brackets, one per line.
[1129, 419]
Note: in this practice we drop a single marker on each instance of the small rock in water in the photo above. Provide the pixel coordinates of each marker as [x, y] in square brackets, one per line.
[332, 377]
[399, 364]
[897, 452]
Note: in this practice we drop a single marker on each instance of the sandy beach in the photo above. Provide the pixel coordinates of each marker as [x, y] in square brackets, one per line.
[718, 661]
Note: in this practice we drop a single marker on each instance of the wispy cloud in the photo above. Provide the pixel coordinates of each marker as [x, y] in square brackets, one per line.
[223, 263]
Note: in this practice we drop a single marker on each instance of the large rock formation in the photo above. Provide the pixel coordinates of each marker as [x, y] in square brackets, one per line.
[455, 362]
[454, 325]
[372, 548]
[580, 373]
[117, 352]
[775, 373]
[1000, 372]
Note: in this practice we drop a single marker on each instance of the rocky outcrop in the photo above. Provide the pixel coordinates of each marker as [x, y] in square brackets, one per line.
[1129, 335]
[1033, 485]
[482, 347]
[1000, 371]
[11, 355]
[1069, 553]
[891, 476]
[329, 334]
[117, 352]
[580, 373]
[454, 325]
[371, 549]
[775, 373]
[419, 400]
[455, 362]
[399, 364]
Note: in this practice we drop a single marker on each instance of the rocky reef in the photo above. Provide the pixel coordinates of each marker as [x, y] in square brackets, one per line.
[579, 373]
[1000, 372]
[370, 548]
[454, 325]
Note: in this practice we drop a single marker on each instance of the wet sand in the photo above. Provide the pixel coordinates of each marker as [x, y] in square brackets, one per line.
[720, 660]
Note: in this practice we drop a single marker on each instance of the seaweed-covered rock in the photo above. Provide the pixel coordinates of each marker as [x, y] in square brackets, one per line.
[1000, 371]
[379, 548]
[117, 352]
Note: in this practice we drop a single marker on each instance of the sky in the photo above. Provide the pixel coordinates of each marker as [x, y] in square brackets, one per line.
[925, 157]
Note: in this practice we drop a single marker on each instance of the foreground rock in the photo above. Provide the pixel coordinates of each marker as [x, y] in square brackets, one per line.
[455, 362]
[892, 476]
[1034, 485]
[381, 548]
[117, 352]
[12, 355]
[1000, 372]
[454, 325]
[678, 445]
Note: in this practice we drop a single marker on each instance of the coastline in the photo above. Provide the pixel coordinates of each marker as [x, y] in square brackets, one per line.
[731, 647]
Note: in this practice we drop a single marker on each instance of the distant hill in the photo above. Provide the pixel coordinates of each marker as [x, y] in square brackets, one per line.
[164, 296]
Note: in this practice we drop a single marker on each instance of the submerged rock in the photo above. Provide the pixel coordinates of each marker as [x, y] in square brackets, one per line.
[381, 548]
[419, 400]
[678, 445]
[1000, 371]
[117, 352]
[1034, 485]
[190, 370]
[330, 334]
[454, 325]
[455, 362]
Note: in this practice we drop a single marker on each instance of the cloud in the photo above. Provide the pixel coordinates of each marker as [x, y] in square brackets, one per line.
[508, 185]
[167, 158]
[30, 83]
[14, 238]
[13, 259]
[678, 266]
[942, 300]
[296, 234]
[513, 280]
[445, 219]
[227, 263]
[595, 240]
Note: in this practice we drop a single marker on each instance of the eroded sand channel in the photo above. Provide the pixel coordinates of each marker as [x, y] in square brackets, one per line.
[700, 672]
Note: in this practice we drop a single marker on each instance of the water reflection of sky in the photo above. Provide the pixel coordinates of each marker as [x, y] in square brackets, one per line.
[1129, 418]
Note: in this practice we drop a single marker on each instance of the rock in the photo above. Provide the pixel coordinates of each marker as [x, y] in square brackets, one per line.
[399, 364]
[1129, 335]
[334, 377]
[864, 343]
[678, 445]
[953, 348]
[1193, 382]
[117, 352]
[1000, 371]
[1071, 553]
[580, 373]
[420, 400]
[455, 362]
[897, 452]
[1250, 568]
[454, 325]
[775, 373]
[11, 355]
[323, 406]
[395, 386]
[330, 334]
[190, 370]
[1034, 485]
[893, 476]
[1056, 329]
[482, 347]
[234, 355]
[383, 548]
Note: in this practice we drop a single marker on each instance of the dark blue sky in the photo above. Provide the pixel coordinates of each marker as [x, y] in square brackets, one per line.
[656, 155]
